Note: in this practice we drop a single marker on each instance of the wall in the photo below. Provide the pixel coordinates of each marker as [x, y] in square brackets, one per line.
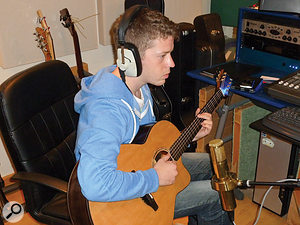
[19, 19]
[229, 10]
[18, 49]
[177, 10]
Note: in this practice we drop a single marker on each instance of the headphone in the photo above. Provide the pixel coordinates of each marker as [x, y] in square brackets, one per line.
[128, 57]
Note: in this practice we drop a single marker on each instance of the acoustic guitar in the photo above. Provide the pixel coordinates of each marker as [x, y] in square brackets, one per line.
[44, 38]
[155, 208]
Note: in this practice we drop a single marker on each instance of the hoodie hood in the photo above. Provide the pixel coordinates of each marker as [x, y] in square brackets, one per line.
[95, 87]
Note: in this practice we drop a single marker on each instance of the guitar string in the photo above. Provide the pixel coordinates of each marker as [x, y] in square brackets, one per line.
[186, 137]
[78, 25]
[96, 14]
[76, 21]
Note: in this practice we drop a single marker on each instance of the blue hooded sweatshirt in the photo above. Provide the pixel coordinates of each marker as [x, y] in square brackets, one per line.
[110, 116]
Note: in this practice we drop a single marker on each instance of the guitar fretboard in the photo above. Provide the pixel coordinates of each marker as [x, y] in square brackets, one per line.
[186, 137]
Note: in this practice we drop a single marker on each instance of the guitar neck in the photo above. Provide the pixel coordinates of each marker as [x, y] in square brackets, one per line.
[78, 55]
[51, 47]
[190, 132]
[68, 23]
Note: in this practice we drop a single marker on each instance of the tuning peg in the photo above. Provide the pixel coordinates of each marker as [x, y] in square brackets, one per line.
[65, 25]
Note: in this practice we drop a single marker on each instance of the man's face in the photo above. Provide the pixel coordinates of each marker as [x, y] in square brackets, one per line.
[157, 61]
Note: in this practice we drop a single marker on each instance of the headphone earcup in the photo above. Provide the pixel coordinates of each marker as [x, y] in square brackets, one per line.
[132, 65]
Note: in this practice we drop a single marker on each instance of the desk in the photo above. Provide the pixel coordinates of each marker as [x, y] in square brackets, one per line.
[259, 96]
[259, 44]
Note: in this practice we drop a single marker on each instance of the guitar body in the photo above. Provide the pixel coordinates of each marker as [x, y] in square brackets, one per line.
[140, 157]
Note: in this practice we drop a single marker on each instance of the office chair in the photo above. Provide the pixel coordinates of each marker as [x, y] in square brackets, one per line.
[38, 126]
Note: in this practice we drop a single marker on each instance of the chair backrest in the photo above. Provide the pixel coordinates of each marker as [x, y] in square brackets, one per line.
[38, 123]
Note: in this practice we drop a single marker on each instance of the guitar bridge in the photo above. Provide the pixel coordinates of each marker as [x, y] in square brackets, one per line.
[149, 200]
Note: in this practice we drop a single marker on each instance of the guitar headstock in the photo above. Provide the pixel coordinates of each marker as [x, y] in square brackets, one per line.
[225, 84]
[219, 78]
[43, 37]
[65, 17]
[42, 42]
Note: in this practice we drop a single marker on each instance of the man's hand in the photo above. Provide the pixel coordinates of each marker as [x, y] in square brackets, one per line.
[206, 125]
[166, 170]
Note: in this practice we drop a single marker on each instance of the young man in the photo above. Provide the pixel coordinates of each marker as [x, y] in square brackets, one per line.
[113, 108]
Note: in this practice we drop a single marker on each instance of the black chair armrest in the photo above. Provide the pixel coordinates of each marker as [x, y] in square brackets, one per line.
[52, 182]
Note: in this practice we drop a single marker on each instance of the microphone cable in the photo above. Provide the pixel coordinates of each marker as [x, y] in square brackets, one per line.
[265, 196]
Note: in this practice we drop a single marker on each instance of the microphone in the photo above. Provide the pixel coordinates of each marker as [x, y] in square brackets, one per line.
[223, 181]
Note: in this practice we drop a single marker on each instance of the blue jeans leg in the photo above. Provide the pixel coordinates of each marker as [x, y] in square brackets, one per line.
[198, 198]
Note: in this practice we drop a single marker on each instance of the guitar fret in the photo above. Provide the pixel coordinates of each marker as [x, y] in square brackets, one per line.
[189, 132]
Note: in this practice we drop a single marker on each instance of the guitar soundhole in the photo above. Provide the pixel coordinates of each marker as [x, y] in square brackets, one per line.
[159, 154]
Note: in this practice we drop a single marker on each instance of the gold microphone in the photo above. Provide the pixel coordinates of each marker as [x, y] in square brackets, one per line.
[223, 181]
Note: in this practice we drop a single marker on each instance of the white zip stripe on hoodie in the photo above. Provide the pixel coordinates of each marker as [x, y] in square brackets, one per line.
[134, 119]
[151, 107]
[141, 115]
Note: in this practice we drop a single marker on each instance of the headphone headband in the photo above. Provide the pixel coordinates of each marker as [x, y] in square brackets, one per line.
[128, 57]
[127, 18]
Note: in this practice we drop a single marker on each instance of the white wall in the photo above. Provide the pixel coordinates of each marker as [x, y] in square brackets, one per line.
[101, 55]
[18, 20]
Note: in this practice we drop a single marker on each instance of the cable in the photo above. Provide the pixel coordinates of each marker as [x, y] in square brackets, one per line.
[265, 195]
[211, 57]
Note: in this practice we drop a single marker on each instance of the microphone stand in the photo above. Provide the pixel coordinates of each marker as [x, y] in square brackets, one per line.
[225, 181]
[249, 183]
[232, 182]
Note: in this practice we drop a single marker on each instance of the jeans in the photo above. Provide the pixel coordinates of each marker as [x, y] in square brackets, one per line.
[198, 198]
